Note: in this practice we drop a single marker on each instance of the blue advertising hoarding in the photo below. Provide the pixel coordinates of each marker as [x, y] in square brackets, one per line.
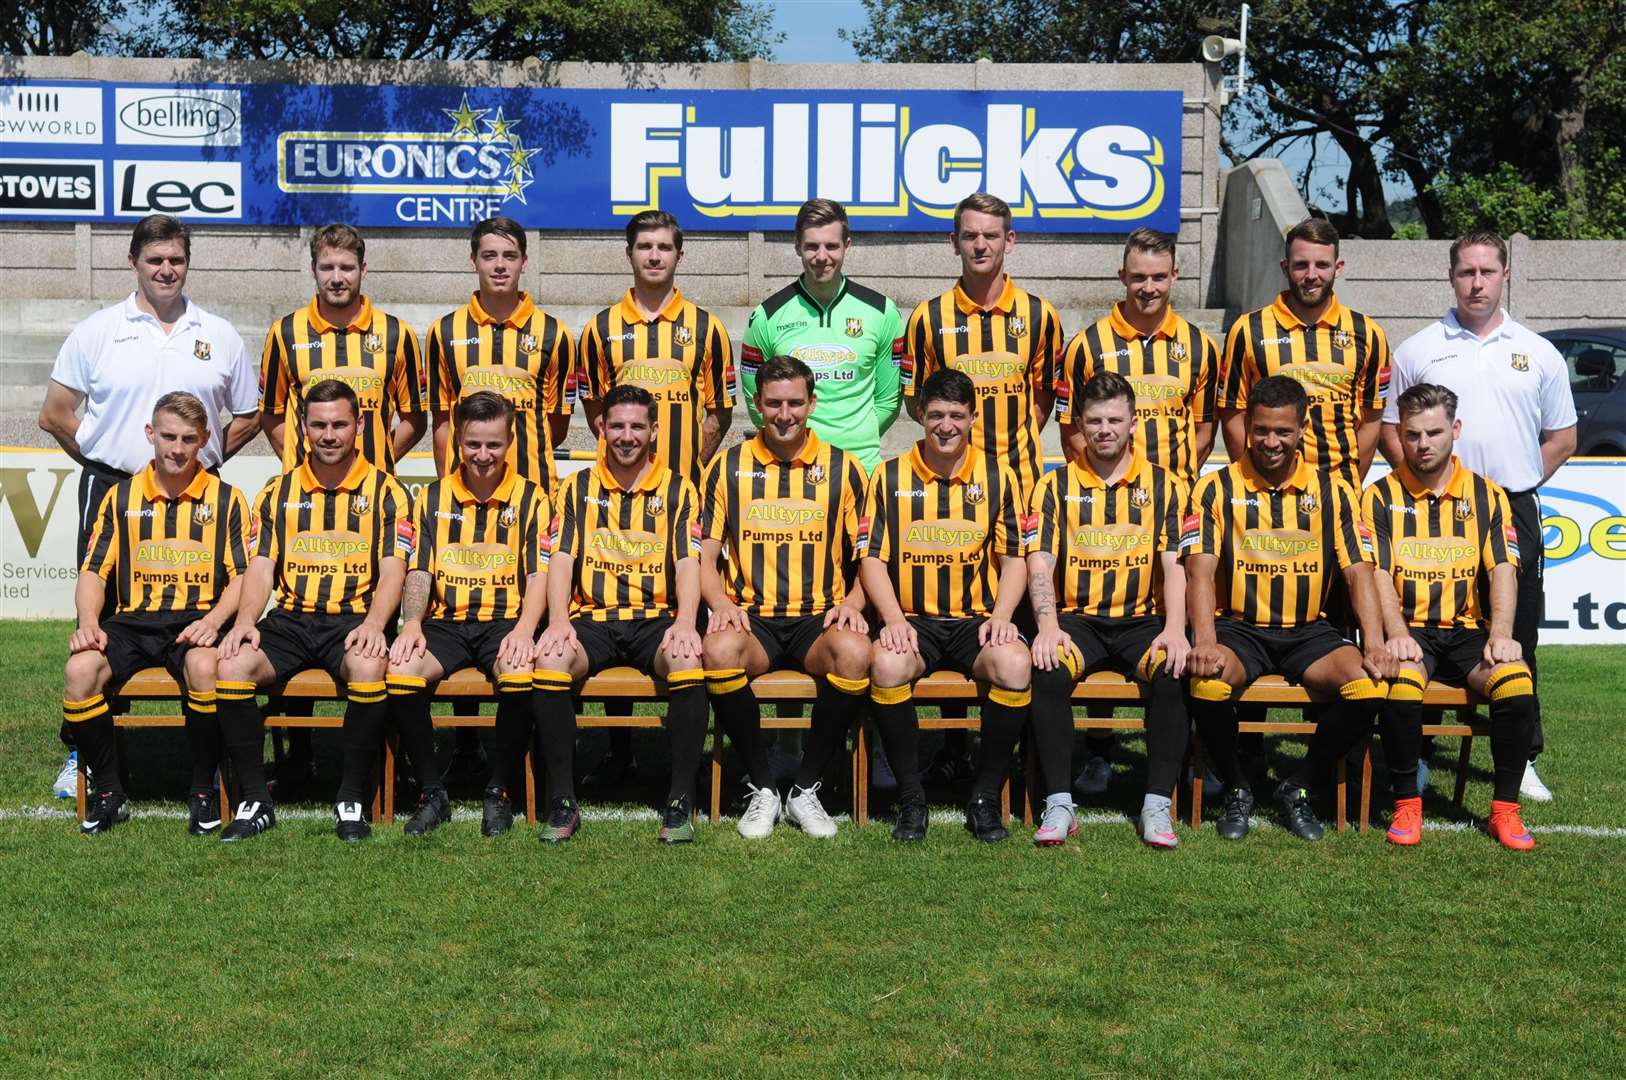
[437, 156]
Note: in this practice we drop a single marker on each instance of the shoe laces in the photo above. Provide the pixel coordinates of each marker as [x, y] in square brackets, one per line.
[1056, 818]
[764, 801]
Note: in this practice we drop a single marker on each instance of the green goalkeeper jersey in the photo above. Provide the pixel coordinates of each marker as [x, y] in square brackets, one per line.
[854, 347]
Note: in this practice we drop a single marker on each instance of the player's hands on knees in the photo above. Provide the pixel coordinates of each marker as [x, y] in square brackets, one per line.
[409, 645]
[557, 641]
[1176, 648]
[1049, 646]
[681, 642]
[846, 617]
[1502, 650]
[367, 643]
[1379, 662]
[517, 648]
[1404, 648]
[1205, 661]
[198, 633]
[728, 616]
[998, 632]
[88, 639]
[237, 638]
[899, 637]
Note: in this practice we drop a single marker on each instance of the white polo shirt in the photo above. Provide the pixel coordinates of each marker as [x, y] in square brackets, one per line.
[1510, 388]
[123, 362]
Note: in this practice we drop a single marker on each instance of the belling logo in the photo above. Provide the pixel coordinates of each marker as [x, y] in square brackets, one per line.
[171, 117]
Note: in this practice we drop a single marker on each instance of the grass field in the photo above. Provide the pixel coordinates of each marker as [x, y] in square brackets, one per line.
[151, 953]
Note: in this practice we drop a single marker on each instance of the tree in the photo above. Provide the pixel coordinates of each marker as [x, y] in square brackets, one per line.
[626, 31]
[57, 27]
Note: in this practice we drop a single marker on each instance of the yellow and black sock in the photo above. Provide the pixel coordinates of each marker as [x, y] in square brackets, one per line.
[1004, 715]
[242, 729]
[363, 738]
[203, 737]
[893, 708]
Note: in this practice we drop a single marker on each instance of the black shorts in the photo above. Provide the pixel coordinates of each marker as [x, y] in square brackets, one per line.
[136, 641]
[1112, 644]
[633, 642]
[948, 643]
[461, 643]
[294, 641]
[1285, 651]
[786, 640]
[1449, 654]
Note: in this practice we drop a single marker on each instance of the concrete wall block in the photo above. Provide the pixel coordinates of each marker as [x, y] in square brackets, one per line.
[1570, 260]
[1396, 260]
[1586, 299]
[48, 284]
[24, 249]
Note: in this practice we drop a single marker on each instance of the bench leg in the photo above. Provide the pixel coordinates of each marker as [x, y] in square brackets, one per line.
[861, 775]
[716, 771]
[387, 780]
[531, 759]
[1194, 757]
[1366, 784]
[1030, 772]
[225, 797]
[79, 791]
[1005, 801]
[1341, 818]
[1463, 755]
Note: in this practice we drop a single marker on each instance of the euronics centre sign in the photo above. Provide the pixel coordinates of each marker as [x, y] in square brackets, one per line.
[1583, 510]
[440, 156]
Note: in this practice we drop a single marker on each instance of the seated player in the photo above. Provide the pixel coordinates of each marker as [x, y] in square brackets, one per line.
[1108, 591]
[477, 574]
[1260, 546]
[784, 506]
[942, 523]
[1443, 534]
[331, 538]
[623, 588]
[171, 540]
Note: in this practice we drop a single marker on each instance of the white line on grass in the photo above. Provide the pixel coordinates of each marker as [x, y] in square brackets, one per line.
[644, 814]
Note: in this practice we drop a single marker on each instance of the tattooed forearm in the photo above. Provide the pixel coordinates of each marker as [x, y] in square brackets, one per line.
[415, 599]
[1042, 585]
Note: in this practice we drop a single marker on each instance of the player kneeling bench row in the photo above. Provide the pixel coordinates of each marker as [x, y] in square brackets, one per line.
[1101, 543]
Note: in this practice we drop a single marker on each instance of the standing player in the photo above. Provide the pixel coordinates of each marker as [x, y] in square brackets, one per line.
[1109, 537]
[1442, 533]
[942, 523]
[501, 341]
[169, 541]
[477, 576]
[1261, 544]
[623, 588]
[681, 354]
[1008, 341]
[341, 335]
[1517, 412]
[119, 360]
[784, 506]
[850, 336]
[1172, 367]
[331, 539]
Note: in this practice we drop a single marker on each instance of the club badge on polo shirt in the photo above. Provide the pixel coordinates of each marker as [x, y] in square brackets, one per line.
[1139, 497]
[361, 504]
[1018, 326]
[683, 336]
[655, 505]
[1177, 351]
[508, 516]
[527, 343]
[1308, 503]
[1465, 509]
[855, 327]
[1521, 362]
[202, 513]
[815, 474]
[1341, 339]
[973, 494]
[200, 349]
[371, 342]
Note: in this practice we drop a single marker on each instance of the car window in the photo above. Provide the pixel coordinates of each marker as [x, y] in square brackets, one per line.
[1595, 366]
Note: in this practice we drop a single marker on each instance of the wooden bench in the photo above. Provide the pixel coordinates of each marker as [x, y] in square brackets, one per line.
[617, 689]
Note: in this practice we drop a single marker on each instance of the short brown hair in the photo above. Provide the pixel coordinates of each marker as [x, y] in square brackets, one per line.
[649, 221]
[1425, 396]
[330, 390]
[1151, 242]
[160, 229]
[819, 212]
[340, 237]
[1480, 238]
[1106, 386]
[984, 203]
[186, 406]
[1314, 231]
[783, 368]
[497, 226]
[483, 405]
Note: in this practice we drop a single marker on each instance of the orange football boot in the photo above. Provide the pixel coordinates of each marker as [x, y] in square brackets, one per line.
[1506, 827]
[1406, 827]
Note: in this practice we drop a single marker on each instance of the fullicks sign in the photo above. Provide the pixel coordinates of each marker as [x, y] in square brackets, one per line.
[1084, 161]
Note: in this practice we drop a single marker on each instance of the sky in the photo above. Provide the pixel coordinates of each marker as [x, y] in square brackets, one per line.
[810, 27]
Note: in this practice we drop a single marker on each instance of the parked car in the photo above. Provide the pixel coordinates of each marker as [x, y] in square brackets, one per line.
[1596, 358]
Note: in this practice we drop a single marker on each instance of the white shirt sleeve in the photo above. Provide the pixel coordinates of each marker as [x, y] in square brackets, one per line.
[72, 365]
[243, 397]
[1557, 401]
[1400, 374]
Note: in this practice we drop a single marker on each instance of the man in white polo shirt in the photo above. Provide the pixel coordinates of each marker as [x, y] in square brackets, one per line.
[122, 359]
[1516, 409]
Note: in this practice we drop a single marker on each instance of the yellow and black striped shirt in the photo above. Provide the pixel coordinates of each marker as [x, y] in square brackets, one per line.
[168, 555]
[1173, 371]
[1440, 549]
[377, 356]
[1107, 539]
[682, 356]
[625, 544]
[480, 552]
[528, 358]
[326, 544]
[1278, 548]
[942, 538]
[1343, 362]
[1010, 351]
[787, 527]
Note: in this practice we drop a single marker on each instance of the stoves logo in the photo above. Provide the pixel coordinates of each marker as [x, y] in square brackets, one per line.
[39, 186]
[32, 113]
